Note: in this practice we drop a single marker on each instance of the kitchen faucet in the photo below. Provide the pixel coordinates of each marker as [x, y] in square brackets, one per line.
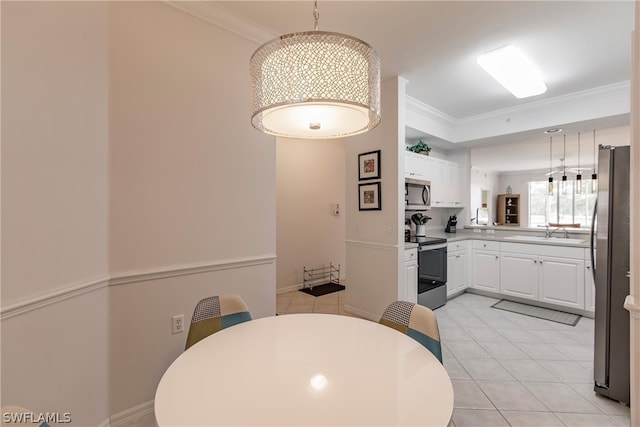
[548, 233]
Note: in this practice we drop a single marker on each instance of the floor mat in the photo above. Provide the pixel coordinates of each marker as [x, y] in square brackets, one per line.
[539, 312]
[320, 290]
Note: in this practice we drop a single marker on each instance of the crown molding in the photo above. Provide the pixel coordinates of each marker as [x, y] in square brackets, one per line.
[603, 101]
[586, 96]
[218, 15]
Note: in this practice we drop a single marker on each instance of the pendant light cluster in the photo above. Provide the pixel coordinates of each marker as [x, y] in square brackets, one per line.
[315, 85]
[563, 187]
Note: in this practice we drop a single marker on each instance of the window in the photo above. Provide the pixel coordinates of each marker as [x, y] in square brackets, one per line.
[570, 208]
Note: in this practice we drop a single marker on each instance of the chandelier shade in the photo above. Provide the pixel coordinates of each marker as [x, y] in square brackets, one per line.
[315, 85]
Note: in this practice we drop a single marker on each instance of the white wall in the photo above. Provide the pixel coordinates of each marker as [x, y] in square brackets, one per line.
[132, 186]
[54, 208]
[373, 254]
[310, 179]
[192, 187]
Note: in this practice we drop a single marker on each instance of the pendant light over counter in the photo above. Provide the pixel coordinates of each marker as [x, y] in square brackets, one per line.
[550, 189]
[579, 175]
[594, 175]
[315, 85]
[564, 166]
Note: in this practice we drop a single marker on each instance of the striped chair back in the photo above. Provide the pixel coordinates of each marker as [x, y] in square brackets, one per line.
[417, 321]
[212, 314]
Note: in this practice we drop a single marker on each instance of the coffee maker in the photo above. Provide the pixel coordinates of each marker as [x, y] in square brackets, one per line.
[451, 224]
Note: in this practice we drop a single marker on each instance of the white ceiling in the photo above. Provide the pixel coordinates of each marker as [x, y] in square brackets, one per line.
[577, 45]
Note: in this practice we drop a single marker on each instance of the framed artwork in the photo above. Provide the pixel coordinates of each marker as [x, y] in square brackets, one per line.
[369, 197]
[369, 165]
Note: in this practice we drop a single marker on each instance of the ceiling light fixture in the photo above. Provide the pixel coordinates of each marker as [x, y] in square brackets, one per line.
[579, 175]
[510, 67]
[550, 188]
[315, 84]
[594, 175]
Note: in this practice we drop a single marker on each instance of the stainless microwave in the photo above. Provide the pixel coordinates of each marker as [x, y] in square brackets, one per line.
[417, 195]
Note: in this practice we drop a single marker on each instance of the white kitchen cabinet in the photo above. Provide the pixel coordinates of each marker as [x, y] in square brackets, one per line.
[446, 178]
[416, 166]
[410, 291]
[486, 265]
[562, 281]
[519, 275]
[550, 274]
[446, 187]
[457, 267]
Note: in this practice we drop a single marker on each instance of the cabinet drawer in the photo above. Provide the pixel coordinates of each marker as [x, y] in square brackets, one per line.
[486, 245]
[411, 254]
[457, 246]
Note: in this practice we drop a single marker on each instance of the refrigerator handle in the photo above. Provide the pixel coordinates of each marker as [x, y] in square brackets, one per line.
[593, 236]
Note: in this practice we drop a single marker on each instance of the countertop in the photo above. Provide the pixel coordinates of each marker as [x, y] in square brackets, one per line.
[476, 233]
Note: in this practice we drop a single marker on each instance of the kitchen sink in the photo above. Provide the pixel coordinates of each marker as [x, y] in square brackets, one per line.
[543, 239]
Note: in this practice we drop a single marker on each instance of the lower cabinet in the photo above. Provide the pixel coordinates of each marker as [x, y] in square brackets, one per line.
[551, 274]
[562, 281]
[410, 291]
[457, 267]
[486, 270]
[519, 275]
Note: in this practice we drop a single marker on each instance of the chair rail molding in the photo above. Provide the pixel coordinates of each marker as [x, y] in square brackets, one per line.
[162, 273]
[50, 298]
[79, 289]
[372, 245]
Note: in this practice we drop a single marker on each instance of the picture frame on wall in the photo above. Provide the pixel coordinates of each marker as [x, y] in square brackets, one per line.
[369, 197]
[369, 165]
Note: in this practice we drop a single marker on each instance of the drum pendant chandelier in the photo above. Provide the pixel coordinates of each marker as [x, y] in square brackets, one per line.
[315, 85]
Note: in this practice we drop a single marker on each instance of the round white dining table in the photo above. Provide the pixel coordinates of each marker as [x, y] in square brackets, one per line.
[303, 370]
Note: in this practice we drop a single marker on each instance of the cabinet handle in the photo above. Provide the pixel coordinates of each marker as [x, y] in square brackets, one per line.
[457, 256]
[496, 256]
[536, 261]
[540, 262]
[485, 245]
[588, 267]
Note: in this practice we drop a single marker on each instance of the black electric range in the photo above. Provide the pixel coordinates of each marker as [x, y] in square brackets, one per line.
[432, 271]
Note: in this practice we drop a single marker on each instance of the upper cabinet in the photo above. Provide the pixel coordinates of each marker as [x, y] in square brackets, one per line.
[447, 179]
[416, 166]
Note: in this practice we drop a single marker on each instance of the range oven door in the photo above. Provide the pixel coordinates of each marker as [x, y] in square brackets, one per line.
[432, 275]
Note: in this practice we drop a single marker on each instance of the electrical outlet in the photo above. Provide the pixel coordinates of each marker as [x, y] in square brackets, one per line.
[177, 323]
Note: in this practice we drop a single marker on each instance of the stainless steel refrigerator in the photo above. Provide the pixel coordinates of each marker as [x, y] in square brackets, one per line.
[611, 274]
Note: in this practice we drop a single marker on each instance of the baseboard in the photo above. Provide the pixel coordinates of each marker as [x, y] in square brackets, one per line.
[130, 417]
[361, 313]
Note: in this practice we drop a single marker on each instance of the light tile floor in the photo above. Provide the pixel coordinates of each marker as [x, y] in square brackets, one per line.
[507, 369]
